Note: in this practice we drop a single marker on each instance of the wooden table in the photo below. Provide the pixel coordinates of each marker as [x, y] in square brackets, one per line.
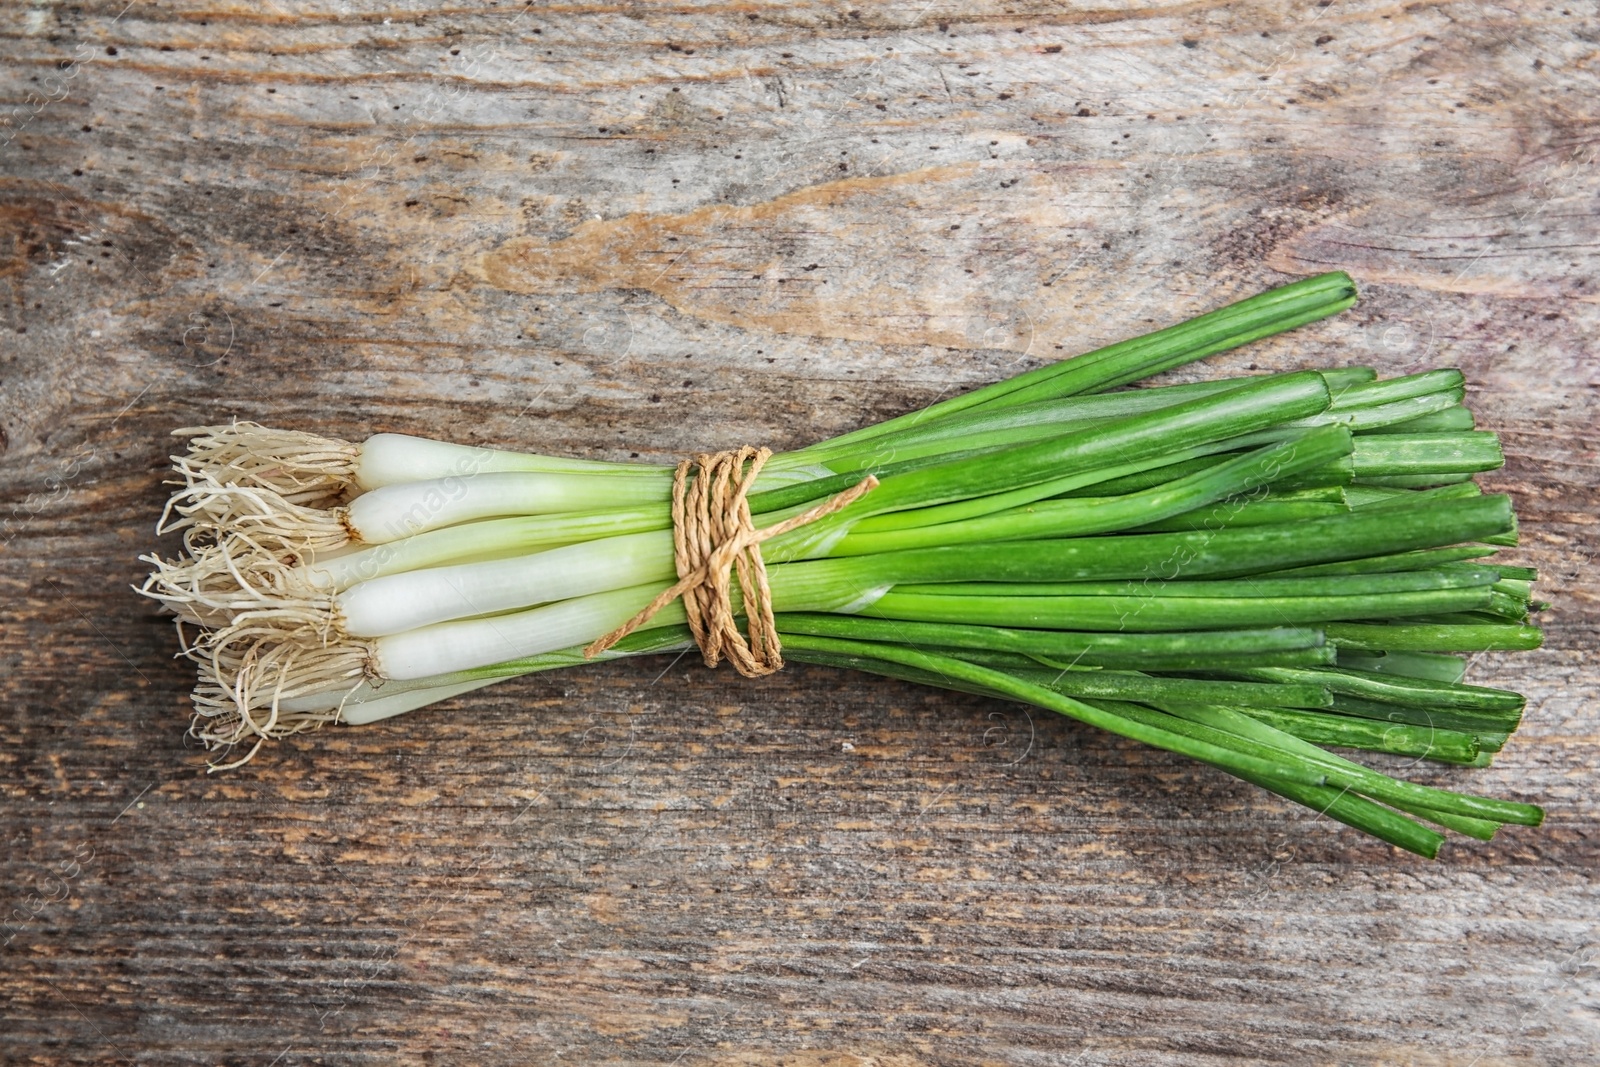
[616, 231]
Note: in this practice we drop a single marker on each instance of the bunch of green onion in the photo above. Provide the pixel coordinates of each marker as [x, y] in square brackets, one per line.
[1242, 570]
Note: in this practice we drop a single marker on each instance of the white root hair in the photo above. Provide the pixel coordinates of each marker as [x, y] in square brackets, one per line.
[303, 468]
[254, 505]
[217, 584]
[211, 512]
[247, 670]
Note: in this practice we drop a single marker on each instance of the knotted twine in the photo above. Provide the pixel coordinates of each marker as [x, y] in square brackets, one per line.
[712, 536]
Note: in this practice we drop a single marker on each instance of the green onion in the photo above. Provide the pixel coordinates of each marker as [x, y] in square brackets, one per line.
[1245, 571]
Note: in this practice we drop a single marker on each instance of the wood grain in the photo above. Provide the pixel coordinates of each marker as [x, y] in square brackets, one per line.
[613, 231]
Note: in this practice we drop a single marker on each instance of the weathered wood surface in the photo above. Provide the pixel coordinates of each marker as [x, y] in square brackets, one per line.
[610, 230]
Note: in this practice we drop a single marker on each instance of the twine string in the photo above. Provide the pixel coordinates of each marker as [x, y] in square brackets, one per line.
[714, 539]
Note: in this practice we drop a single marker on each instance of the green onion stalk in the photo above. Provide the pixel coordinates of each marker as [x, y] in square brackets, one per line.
[1249, 571]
